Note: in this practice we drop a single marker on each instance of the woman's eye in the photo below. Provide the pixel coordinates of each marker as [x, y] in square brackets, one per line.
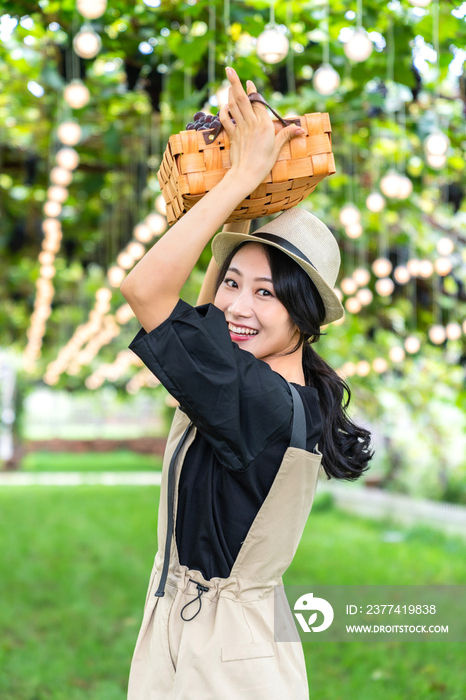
[229, 280]
[266, 290]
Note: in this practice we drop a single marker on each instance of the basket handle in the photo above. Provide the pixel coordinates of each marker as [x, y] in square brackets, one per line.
[210, 135]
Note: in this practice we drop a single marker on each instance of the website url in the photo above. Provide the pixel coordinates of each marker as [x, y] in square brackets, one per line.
[431, 629]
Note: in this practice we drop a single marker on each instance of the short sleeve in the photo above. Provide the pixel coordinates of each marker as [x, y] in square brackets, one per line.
[235, 400]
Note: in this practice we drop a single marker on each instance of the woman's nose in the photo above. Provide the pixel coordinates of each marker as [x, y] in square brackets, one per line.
[241, 306]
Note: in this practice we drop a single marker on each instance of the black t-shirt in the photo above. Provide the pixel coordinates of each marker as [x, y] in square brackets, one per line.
[242, 410]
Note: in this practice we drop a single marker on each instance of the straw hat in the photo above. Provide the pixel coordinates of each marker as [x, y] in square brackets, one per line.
[303, 237]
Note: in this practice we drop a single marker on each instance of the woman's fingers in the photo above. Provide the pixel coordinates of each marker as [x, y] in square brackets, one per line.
[240, 97]
[234, 108]
[226, 121]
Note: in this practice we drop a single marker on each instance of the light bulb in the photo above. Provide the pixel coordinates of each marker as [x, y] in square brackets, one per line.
[60, 176]
[359, 47]
[436, 144]
[156, 222]
[57, 193]
[124, 314]
[453, 331]
[384, 286]
[405, 187]
[272, 46]
[349, 369]
[364, 295]
[382, 267]
[437, 334]
[442, 266]
[353, 305]
[426, 268]
[104, 294]
[69, 133]
[52, 208]
[115, 275]
[348, 286]
[412, 344]
[76, 94]
[46, 258]
[87, 43]
[47, 271]
[436, 162]
[142, 233]
[353, 230]
[445, 246]
[379, 365]
[390, 184]
[397, 354]
[91, 9]
[326, 80]
[361, 276]
[161, 205]
[51, 227]
[125, 260]
[413, 266]
[136, 250]
[349, 214]
[401, 274]
[363, 368]
[67, 158]
[375, 202]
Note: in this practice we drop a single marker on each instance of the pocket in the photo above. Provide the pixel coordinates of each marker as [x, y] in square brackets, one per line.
[258, 650]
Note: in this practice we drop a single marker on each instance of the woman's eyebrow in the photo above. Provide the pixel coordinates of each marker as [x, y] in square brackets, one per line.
[256, 279]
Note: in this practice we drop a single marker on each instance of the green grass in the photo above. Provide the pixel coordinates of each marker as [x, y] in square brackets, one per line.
[118, 461]
[74, 570]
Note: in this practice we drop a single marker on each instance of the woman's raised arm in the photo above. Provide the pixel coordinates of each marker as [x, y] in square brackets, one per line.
[152, 288]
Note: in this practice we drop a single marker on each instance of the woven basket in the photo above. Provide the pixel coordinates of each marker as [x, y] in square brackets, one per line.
[193, 163]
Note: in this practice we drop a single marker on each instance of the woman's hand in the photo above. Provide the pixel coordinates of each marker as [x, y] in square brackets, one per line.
[254, 145]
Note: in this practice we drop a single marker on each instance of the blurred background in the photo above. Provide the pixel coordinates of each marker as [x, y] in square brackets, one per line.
[90, 91]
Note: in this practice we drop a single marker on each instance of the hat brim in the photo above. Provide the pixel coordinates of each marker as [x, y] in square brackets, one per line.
[223, 243]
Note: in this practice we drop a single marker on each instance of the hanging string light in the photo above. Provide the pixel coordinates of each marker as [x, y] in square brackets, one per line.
[87, 43]
[375, 202]
[326, 79]
[349, 215]
[445, 246]
[437, 143]
[76, 94]
[67, 158]
[353, 305]
[401, 274]
[359, 47]
[365, 296]
[384, 286]
[91, 9]
[272, 45]
[69, 133]
[382, 267]
[361, 276]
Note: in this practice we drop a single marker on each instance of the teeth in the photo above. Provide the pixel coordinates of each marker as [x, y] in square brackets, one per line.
[242, 331]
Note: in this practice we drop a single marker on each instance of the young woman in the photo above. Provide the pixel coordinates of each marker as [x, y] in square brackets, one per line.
[242, 457]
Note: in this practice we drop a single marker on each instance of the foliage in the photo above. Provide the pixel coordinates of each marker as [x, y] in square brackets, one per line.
[138, 99]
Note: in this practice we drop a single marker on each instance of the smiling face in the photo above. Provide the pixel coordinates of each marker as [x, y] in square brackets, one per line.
[257, 320]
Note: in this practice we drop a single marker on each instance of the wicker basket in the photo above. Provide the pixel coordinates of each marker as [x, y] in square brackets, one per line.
[193, 164]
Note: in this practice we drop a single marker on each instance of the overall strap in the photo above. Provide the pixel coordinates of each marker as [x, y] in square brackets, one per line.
[299, 432]
[170, 514]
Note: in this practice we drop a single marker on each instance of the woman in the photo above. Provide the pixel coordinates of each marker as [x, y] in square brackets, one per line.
[242, 458]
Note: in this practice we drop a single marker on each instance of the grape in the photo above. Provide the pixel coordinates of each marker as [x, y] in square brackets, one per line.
[198, 127]
[208, 118]
[190, 126]
[198, 115]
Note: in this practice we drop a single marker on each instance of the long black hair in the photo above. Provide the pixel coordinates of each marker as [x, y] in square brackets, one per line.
[345, 446]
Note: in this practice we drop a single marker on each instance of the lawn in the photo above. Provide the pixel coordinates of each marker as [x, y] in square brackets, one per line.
[73, 577]
[118, 461]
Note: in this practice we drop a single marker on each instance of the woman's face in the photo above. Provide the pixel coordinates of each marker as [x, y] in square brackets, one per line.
[246, 297]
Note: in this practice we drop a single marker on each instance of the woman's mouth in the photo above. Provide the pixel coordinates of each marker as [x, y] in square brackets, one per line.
[241, 332]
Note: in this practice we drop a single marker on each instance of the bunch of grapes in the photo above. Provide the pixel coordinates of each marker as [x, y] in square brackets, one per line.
[202, 121]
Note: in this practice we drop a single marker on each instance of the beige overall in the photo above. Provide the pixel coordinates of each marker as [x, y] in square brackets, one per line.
[224, 648]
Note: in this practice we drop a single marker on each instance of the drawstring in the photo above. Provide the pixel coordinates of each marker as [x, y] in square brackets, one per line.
[200, 590]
